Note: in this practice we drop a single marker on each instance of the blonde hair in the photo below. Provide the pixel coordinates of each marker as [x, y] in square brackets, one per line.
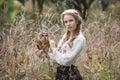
[77, 17]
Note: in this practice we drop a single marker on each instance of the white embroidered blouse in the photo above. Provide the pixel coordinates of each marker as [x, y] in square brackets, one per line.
[69, 56]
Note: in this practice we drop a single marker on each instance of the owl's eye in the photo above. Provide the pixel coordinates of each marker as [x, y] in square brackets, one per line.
[46, 35]
[42, 35]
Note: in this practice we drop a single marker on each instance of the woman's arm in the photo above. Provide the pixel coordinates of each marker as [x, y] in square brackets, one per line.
[69, 55]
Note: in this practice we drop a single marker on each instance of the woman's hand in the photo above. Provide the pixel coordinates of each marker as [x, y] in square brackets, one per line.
[40, 53]
[52, 44]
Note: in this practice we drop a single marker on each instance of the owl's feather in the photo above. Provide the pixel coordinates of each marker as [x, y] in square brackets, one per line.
[43, 41]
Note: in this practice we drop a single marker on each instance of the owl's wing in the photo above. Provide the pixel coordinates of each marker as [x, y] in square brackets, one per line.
[38, 47]
[39, 44]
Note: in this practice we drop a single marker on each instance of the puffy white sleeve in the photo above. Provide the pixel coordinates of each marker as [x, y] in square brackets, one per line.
[69, 56]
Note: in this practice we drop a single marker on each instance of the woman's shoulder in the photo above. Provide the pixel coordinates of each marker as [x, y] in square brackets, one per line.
[80, 39]
[81, 36]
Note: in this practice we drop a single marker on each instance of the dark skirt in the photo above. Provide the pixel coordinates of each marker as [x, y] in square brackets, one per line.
[68, 73]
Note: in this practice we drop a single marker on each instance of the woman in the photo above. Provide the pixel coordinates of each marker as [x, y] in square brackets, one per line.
[69, 48]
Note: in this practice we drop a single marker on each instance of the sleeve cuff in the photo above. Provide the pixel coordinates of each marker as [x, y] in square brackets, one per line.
[54, 51]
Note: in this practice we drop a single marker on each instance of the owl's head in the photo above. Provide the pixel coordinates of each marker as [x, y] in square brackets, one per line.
[43, 37]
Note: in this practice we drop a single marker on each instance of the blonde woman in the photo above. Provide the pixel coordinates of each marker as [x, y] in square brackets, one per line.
[70, 47]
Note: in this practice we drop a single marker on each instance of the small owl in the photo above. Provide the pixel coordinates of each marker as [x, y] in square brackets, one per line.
[43, 41]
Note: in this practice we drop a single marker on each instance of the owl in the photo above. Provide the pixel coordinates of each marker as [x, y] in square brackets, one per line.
[43, 41]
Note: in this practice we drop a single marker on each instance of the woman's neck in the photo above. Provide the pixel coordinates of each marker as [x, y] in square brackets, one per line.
[72, 34]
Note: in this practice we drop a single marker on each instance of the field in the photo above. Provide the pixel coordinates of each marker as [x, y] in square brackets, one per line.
[100, 61]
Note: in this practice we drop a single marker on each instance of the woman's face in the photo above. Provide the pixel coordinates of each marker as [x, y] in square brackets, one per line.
[70, 22]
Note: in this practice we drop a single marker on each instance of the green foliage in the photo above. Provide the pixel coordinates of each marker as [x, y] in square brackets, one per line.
[1, 2]
[9, 10]
[69, 4]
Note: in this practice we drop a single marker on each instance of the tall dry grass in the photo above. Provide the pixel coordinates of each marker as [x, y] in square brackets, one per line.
[100, 61]
[17, 49]
[102, 51]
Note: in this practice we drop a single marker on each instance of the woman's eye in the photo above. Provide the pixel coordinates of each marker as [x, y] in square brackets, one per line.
[65, 21]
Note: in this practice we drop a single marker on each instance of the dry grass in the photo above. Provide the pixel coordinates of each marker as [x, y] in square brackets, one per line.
[101, 60]
[102, 51]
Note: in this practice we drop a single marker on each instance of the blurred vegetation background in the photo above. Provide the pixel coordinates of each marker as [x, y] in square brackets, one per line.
[21, 20]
